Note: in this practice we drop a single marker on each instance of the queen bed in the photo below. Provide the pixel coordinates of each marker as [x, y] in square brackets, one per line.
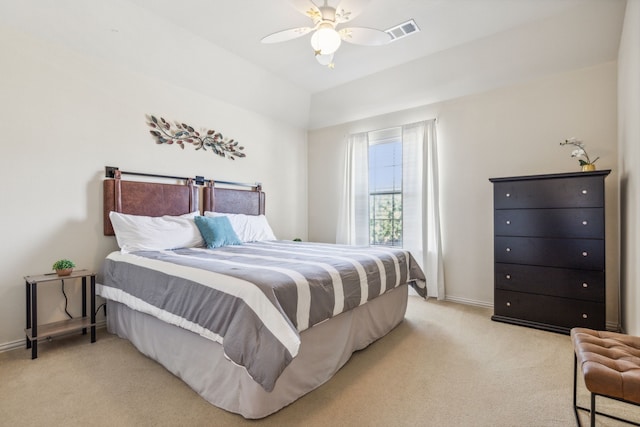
[251, 325]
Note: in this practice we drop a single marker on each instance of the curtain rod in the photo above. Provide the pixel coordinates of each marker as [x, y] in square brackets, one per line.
[110, 172]
[433, 119]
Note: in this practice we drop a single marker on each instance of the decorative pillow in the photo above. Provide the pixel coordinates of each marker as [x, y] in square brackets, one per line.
[147, 233]
[249, 228]
[217, 231]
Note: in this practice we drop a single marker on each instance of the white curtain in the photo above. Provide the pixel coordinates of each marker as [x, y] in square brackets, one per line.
[420, 205]
[353, 219]
[420, 202]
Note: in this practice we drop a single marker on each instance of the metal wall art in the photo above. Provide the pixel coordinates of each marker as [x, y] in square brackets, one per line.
[180, 133]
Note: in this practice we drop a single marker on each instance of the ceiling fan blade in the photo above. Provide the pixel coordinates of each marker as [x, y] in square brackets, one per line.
[307, 7]
[364, 36]
[349, 9]
[285, 35]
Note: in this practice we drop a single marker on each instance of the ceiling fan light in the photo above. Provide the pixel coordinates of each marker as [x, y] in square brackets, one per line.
[326, 41]
[324, 59]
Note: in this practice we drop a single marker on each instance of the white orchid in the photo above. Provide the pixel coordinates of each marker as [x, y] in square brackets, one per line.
[579, 152]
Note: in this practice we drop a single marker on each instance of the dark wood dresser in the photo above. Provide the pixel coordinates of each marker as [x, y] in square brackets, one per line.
[549, 250]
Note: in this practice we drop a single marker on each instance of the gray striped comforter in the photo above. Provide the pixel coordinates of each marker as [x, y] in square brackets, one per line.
[255, 298]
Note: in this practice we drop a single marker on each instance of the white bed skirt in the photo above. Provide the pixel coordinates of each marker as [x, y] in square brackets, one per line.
[199, 362]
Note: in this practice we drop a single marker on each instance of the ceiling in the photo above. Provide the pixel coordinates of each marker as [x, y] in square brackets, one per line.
[238, 26]
[213, 48]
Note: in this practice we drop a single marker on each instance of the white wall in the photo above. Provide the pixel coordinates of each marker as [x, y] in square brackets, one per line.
[629, 160]
[65, 116]
[510, 131]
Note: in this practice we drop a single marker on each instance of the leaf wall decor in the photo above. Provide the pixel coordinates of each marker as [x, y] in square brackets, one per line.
[181, 134]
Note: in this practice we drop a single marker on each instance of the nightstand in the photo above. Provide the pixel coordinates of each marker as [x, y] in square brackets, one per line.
[35, 332]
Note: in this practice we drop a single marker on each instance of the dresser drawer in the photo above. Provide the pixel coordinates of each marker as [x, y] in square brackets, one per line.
[566, 253]
[586, 223]
[563, 312]
[585, 191]
[560, 282]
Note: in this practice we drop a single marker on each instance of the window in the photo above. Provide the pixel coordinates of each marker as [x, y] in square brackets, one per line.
[385, 187]
[390, 195]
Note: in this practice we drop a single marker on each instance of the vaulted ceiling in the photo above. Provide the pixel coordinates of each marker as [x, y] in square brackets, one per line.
[238, 26]
[189, 41]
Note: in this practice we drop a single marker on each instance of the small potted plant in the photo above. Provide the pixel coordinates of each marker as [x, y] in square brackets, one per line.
[63, 267]
[581, 154]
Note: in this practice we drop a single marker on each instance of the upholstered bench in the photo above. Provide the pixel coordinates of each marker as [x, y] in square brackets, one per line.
[610, 365]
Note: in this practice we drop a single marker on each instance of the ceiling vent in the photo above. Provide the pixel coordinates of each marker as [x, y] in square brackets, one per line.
[402, 30]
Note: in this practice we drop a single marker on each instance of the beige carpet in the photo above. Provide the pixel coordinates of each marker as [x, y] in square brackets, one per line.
[446, 365]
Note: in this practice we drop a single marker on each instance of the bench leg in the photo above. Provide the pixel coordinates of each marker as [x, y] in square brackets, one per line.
[575, 396]
[575, 387]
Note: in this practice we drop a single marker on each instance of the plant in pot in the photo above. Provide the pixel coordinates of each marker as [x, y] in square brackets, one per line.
[63, 267]
[580, 153]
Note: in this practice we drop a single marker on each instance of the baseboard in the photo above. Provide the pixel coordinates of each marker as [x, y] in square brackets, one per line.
[613, 326]
[469, 302]
[14, 345]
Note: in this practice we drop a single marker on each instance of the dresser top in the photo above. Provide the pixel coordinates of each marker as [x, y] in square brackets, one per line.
[602, 173]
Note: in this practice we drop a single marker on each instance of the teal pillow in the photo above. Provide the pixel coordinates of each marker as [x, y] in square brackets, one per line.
[216, 231]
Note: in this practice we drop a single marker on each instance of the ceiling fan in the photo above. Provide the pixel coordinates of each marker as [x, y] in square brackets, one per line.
[326, 39]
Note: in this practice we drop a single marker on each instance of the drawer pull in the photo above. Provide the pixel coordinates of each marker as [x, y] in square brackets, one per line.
[508, 276]
[584, 315]
[584, 222]
[508, 249]
[585, 285]
[584, 191]
[508, 304]
[508, 222]
[508, 195]
[584, 253]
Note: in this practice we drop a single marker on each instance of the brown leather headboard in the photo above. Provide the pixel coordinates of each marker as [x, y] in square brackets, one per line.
[227, 200]
[146, 198]
[156, 199]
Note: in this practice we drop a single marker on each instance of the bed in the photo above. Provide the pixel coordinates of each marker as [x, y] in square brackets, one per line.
[251, 327]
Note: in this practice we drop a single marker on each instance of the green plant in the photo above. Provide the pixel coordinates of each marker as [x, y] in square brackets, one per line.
[63, 264]
[579, 151]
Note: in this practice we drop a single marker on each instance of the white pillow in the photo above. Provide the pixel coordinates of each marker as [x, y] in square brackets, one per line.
[249, 228]
[146, 233]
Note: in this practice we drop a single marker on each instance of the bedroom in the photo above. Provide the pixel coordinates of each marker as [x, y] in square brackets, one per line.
[68, 112]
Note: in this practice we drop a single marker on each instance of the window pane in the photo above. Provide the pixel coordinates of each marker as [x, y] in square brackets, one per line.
[385, 167]
[385, 222]
[397, 206]
[385, 192]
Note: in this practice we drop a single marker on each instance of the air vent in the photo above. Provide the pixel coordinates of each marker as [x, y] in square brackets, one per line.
[402, 30]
